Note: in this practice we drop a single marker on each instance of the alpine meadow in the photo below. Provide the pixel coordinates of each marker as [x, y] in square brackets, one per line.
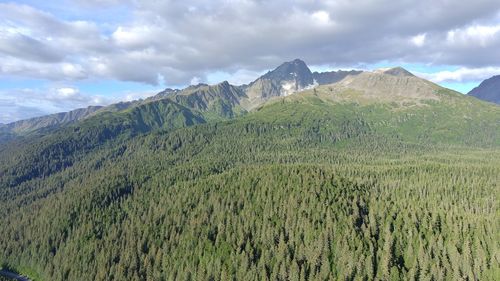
[383, 174]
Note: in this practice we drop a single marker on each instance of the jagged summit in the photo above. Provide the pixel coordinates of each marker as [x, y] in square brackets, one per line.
[224, 83]
[295, 70]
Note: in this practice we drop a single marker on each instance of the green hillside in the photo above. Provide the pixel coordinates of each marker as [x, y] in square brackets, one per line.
[329, 184]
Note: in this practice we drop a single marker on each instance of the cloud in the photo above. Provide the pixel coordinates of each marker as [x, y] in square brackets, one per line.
[17, 104]
[179, 40]
[321, 17]
[66, 92]
[462, 74]
[25, 47]
[418, 40]
[481, 35]
[176, 43]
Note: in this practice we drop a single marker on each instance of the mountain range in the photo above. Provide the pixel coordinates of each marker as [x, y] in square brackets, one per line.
[229, 100]
[286, 79]
[346, 175]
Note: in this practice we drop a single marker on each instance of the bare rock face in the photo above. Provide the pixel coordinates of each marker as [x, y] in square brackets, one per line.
[488, 90]
[294, 72]
[287, 79]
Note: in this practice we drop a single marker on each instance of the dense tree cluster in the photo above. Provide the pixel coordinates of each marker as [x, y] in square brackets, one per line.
[295, 191]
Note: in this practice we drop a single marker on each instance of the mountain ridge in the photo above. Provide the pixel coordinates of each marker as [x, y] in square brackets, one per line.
[288, 78]
[224, 100]
[45, 122]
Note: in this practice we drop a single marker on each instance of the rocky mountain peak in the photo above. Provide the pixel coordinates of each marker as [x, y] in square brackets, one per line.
[295, 70]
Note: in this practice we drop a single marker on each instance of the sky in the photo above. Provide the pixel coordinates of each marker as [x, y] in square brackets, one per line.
[60, 55]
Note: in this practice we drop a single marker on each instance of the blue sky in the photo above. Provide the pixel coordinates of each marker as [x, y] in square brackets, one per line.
[60, 55]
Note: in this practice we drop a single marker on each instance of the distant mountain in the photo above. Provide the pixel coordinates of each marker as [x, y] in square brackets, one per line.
[47, 122]
[488, 90]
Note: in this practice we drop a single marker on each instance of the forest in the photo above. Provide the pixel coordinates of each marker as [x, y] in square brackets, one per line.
[300, 189]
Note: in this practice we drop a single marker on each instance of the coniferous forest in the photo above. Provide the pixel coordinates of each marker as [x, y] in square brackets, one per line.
[300, 189]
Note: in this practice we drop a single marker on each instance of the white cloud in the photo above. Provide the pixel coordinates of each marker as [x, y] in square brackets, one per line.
[462, 74]
[419, 40]
[321, 17]
[74, 71]
[195, 80]
[135, 36]
[473, 35]
[18, 104]
[243, 77]
[67, 92]
[179, 40]
[137, 96]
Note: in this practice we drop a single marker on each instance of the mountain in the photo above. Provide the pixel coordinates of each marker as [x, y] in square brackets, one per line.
[330, 77]
[488, 90]
[394, 85]
[24, 127]
[378, 176]
[293, 76]
[222, 99]
[398, 71]
[286, 79]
